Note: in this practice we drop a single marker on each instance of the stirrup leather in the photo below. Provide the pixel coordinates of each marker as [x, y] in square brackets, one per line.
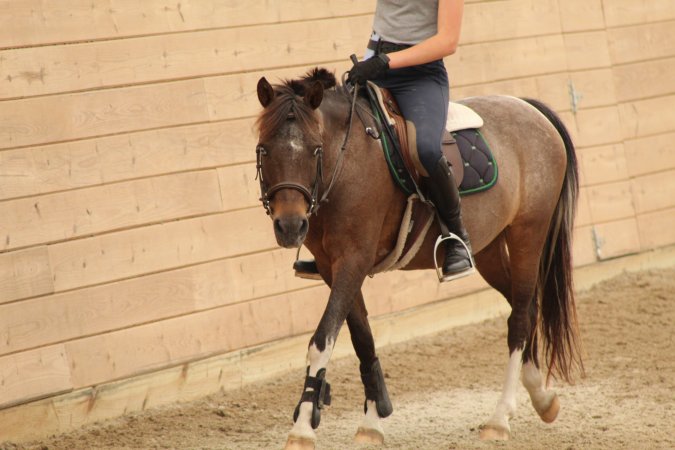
[439, 270]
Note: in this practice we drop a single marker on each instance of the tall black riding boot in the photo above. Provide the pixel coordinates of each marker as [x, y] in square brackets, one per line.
[445, 195]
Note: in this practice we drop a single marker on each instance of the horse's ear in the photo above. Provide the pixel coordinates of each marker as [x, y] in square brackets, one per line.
[314, 94]
[265, 92]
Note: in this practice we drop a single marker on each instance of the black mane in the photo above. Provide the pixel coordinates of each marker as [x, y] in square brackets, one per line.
[320, 74]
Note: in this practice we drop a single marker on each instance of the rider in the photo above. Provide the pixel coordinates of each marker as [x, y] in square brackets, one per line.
[405, 55]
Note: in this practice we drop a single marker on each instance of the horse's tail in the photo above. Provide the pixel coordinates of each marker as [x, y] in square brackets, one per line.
[555, 291]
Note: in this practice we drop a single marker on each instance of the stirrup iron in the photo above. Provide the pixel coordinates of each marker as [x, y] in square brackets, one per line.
[439, 270]
[305, 269]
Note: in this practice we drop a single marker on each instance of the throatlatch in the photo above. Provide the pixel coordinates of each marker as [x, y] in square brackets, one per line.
[319, 396]
[376, 390]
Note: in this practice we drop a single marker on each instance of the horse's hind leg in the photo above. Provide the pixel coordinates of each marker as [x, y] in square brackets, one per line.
[545, 401]
[494, 266]
[377, 403]
[524, 245]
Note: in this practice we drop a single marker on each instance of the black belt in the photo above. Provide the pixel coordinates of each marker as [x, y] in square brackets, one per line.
[386, 47]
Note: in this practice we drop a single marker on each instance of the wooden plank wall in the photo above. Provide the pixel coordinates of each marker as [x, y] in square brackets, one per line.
[131, 239]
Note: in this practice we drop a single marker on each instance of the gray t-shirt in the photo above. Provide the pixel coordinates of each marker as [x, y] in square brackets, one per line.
[406, 21]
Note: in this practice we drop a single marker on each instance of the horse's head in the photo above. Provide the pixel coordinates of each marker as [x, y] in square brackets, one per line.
[290, 153]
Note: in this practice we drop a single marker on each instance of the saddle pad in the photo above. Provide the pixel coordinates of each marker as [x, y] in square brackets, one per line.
[477, 170]
[461, 117]
[480, 167]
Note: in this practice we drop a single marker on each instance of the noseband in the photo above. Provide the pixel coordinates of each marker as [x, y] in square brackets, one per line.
[266, 193]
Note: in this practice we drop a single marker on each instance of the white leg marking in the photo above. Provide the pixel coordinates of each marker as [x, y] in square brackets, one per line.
[506, 407]
[542, 399]
[370, 431]
[371, 421]
[302, 428]
[534, 383]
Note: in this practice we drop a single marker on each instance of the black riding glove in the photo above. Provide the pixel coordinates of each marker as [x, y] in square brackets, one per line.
[369, 69]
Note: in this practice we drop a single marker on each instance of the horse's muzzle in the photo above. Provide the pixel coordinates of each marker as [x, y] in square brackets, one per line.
[290, 231]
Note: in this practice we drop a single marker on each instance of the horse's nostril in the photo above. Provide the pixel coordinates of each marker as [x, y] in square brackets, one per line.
[303, 226]
[277, 226]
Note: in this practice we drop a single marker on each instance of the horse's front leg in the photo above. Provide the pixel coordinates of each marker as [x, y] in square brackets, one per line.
[377, 404]
[347, 278]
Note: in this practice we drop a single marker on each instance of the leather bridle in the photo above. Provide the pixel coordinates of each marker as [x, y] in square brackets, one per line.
[312, 196]
[266, 193]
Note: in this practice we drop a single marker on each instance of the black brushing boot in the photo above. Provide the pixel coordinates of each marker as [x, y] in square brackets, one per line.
[445, 195]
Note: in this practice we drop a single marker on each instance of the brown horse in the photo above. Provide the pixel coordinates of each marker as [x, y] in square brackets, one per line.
[309, 155]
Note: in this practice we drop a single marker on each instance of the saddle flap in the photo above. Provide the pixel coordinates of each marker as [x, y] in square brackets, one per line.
[398, 122]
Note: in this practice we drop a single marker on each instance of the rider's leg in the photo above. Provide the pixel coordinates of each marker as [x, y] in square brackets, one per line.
[422, 94]
[443, 192]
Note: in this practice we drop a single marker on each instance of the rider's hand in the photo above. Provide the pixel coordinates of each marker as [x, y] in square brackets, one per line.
[369, 69]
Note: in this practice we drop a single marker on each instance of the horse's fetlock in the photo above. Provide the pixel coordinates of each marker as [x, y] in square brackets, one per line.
[376, 389]
[316, 391]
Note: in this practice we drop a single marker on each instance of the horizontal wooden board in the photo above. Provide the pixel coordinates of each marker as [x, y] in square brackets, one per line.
[23, 274]
[647, 117]
[641, 42]
[650, 154]
[644, 79]
[234, 96]
[598, 126]
[586, 50]
[654, 192]
[629, 12]
[66, 117]
[76, 116]
[656, 229]
[49, 70]
[593, 87]
[581, 15]
[492, 21]
[618, 238]
[611, 201]
[58, 167]
[44, 70]
[494, 61]
[583, 215]
[72, 214]
[154, 248]
[603, 164]
[123, 353]
[118, 305]
[34, 22]
[238, 186]
[34, 374]
[583, 249]
[139, 349]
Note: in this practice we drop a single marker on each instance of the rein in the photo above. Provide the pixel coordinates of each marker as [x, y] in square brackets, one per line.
[312, 196]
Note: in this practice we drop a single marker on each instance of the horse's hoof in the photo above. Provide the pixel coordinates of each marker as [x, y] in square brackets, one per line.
[369, 436]
[551, 413]
[494, 433]
[299, 443]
